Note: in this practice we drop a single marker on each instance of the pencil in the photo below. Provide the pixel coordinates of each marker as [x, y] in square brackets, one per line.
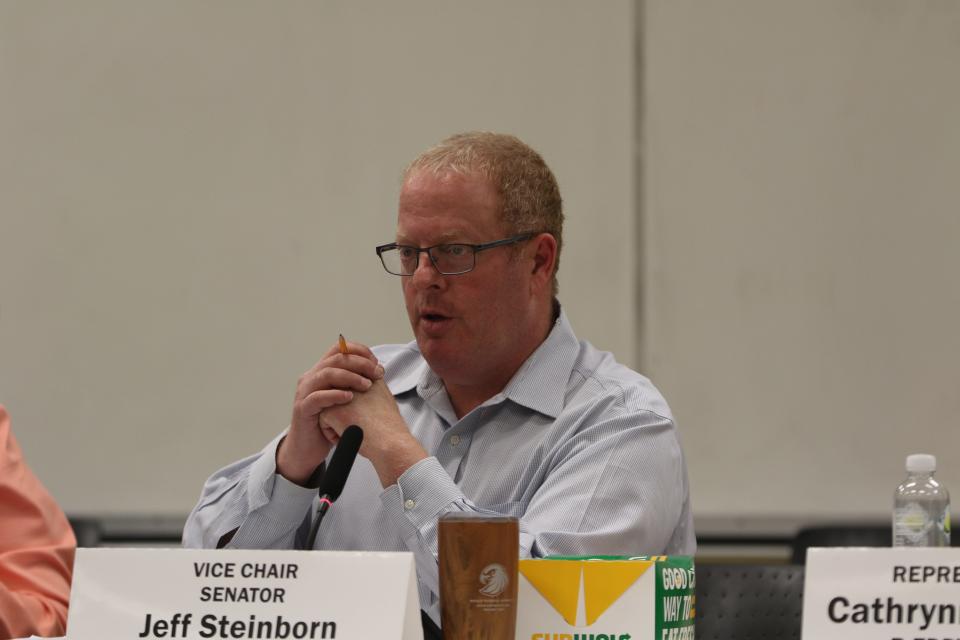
[343, 345]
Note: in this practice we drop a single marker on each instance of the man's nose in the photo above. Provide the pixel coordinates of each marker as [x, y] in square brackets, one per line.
[425, 274]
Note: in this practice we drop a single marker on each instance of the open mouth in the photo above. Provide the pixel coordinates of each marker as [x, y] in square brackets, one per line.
[434, 324]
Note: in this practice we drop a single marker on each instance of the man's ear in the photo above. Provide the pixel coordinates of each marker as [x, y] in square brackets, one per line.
[544, 258]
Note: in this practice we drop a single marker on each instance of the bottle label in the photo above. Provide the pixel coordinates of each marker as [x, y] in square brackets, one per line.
[910, 524]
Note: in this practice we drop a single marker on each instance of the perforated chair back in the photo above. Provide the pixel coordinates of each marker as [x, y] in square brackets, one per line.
[749, 602]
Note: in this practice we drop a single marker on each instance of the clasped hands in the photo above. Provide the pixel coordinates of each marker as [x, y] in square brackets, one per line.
[340, 390]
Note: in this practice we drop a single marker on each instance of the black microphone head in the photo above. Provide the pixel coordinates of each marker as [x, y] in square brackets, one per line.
[341, 462]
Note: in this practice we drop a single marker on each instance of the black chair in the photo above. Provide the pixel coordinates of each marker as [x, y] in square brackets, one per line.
[749, 602]
[854, 535]
[87, 531]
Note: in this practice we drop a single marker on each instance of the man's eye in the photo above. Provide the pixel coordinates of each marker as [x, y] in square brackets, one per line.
[454, 250]
[406, 252]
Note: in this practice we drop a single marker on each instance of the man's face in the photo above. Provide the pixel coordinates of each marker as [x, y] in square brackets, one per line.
[468, 326]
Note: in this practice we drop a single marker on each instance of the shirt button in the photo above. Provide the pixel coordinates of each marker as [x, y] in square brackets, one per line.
[454, 440]
[409, 504]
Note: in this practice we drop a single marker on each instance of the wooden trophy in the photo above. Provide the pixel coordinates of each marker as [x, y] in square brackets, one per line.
[478, 576]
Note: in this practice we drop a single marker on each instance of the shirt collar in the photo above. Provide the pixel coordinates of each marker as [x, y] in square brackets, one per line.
[410, 375]
[540, 383]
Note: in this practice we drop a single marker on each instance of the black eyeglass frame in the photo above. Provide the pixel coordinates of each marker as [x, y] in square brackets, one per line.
[476, 248]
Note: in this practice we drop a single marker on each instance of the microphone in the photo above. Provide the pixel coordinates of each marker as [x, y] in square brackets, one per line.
[331, 486]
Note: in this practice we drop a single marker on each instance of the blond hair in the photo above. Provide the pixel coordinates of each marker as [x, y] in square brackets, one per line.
[529, 196]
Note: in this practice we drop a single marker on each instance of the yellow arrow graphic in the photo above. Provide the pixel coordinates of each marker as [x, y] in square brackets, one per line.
[558, 581]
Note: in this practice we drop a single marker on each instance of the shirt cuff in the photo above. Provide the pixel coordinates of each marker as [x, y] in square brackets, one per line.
[423, 492]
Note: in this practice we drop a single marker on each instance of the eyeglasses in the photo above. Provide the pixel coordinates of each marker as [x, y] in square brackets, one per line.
[448, 259]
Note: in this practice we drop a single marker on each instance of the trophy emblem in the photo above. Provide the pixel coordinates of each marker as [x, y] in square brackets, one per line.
[494, 580]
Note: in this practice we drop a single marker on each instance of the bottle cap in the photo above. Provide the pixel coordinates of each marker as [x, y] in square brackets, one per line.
[921, 463]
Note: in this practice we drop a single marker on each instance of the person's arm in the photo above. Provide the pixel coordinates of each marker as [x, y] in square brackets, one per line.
[248, 505]
[36, 549]
[262, 502]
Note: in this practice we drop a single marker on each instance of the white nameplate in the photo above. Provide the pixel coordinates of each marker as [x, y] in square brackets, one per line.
[145, 594]
[882, 594]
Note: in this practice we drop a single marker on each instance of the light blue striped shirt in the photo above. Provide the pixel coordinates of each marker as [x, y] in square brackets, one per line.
[580, 448]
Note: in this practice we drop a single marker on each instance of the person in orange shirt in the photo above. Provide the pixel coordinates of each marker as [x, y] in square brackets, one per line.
[36, 549]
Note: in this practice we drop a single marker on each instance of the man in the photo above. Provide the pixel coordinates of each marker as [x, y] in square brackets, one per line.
[36, 548]
[495, 408]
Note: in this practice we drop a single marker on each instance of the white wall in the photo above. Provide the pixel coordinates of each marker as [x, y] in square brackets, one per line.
[802, 246]
[190, 194]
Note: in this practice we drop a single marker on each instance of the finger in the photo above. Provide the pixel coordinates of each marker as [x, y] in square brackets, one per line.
[357, 349]
[357, 364]
[362, 350]
[331, 378]
[353, 348]
[317, 401]
[332, 436]
[369, 368]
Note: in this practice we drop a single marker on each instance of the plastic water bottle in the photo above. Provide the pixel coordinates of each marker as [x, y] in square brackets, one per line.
[921, 506]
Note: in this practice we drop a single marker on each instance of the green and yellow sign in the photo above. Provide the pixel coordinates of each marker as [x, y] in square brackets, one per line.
[607, 598]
